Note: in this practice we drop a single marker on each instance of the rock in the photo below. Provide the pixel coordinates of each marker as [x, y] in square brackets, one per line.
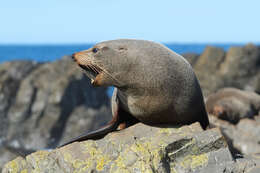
[11, 74]
[242, 138]
[232, 104]
[6, 156]
[241, 61]
[191, 57]
[242, 66]
[237, 106]
[210, 59]
[256, 160]
[246, 137]
[43, 105]
[238, 67]
[206, 67]
[139, 148]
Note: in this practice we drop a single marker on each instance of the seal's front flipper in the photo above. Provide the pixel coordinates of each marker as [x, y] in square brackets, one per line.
[121, 119]
[97, 134]
[100, 133]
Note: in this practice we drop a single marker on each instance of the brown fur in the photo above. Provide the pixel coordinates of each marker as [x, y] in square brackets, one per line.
[154, 85]
[233, 104]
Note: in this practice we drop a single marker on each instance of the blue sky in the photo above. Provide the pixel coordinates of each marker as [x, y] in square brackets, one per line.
[85, 21]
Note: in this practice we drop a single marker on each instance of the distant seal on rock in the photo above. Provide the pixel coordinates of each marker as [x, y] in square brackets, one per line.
[154, 85]
[233, 104]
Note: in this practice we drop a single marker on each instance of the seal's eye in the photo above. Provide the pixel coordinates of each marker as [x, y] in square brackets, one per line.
[95, 50]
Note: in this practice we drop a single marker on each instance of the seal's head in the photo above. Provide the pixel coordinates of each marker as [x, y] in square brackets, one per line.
[101, 63]
[130, 64]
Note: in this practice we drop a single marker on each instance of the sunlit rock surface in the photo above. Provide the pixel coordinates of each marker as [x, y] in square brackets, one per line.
[140, 148]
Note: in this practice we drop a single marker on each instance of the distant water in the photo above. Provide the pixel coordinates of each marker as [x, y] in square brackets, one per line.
[44, 53]
[40, 53]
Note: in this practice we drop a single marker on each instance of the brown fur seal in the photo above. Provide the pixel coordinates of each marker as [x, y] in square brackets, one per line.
[233, 104]
[154, 85]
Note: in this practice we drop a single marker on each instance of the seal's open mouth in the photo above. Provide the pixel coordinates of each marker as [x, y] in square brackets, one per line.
[91, 71]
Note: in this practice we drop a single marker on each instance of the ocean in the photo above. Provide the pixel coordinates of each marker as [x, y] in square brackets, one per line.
[45, 53]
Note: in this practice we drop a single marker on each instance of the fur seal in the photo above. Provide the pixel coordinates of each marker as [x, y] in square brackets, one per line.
[233, 104]
[153, 85]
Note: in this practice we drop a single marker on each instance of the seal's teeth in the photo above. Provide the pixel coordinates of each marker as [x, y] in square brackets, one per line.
[92, 81]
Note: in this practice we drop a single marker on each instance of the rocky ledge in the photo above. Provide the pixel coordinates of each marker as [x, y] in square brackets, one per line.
[140, 148]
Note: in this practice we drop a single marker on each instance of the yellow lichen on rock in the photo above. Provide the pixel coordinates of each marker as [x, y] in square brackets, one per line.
[118, 166]
[165, 131]
[102, 161]
[24, 171]
[67, 157]
[20, 165]
[158, 150]
[194, 161]
[95, 156]
[88, 145]
[38, 156]
[199, 160]
[13, 166]
[144, 157]
[119, 162]
[141, 148]
[78, 163]
[149, 155]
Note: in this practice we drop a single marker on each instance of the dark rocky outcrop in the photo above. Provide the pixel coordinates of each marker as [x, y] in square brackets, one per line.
[43, 105]
[239, 67]
[243, 138]
[11, 75]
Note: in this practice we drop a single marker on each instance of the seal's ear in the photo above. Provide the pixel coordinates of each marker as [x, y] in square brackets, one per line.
[122, 48]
